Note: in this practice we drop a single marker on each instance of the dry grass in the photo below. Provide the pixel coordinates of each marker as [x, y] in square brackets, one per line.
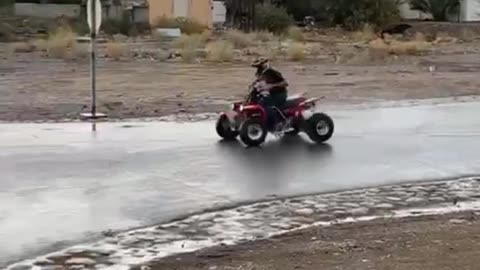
[190, 45]
[220, 51]
[239, 39]
[195, 40]
[116, 50]
[61, 42]
[296, 52]
[296, 34]
[367, 34]
[414, 47]
[263, 36]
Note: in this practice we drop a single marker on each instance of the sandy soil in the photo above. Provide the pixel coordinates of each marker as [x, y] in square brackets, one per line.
[435, 242]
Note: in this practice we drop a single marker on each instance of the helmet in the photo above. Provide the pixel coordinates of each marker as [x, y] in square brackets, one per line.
[260, 62]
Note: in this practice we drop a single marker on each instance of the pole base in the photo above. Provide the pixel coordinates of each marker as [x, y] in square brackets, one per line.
[93, 116]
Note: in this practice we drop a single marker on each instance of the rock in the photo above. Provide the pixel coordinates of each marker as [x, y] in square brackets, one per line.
[437, 199]
[457, 221]
[21, 267]
[43, 262]
[321, 206]
[359, 211]
[80, 261]
[304, 212]
[415, 200]
[351, 205]
[384, 206]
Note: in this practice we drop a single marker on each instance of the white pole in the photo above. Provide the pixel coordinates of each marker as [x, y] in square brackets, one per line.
[92, 59]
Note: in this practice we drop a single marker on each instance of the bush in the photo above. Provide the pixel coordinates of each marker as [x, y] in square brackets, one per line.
[190, 45]
[61, 42]
[296, 34]
[220, 51]
[367, 33]
[273, 19]
[239, 38]
[187, 26]
[116, 50]
[7, 33]
[399, 48]
[263, 36]
[195, 40]
[296, 52]
[353, 14]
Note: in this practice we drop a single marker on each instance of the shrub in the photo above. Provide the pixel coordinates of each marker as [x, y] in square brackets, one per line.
[296, 52]
[367, 33]
[263, 36]
[195, 40]
[220, 51]
[296, 34]
[190, 45]
[116, 50]
[353, 14]
[413, 47]
[7, 33]
[61, 42]
[239, 38]
[273, 19]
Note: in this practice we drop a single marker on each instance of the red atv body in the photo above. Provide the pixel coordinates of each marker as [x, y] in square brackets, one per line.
[248, 119]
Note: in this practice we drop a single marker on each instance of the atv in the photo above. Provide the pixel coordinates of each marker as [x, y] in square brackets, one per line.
[248, 119]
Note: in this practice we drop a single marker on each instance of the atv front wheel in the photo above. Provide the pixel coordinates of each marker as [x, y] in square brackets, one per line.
[319, 127]
[224, 129]
[253, 132]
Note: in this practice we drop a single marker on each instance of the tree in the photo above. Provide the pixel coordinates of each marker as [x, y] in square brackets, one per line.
[440, 10]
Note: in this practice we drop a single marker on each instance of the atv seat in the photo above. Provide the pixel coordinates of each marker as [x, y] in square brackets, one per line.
[293, 101]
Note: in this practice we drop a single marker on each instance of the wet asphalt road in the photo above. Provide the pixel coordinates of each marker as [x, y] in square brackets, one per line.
[61, 182]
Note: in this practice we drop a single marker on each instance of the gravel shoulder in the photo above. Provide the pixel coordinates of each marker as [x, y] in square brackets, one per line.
[432, 242]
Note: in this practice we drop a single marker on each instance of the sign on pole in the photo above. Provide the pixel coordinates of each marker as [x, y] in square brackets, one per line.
[94, 19]
[94, 15]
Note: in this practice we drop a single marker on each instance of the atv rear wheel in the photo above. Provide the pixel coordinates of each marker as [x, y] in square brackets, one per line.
[319, 127]
[224, 129]
[253, 132]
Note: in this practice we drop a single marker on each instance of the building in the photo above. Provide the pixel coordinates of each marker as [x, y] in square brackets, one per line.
[470, 10]
[198, 10]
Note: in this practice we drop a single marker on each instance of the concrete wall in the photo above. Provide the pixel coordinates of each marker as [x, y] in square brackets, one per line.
[199, 10]
[202, 11]
[159, 8]
[46, 10]
[471, 10]
[408, 14]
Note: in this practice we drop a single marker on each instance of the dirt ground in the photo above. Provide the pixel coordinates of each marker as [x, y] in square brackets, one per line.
[51, 90]
[448, 242]
[33, 87]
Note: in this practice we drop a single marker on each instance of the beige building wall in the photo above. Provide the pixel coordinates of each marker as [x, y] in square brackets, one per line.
[199, 10]
[202, 11]
[159, 8]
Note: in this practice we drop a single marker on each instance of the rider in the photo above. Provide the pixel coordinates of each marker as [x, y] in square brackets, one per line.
[274, 84]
